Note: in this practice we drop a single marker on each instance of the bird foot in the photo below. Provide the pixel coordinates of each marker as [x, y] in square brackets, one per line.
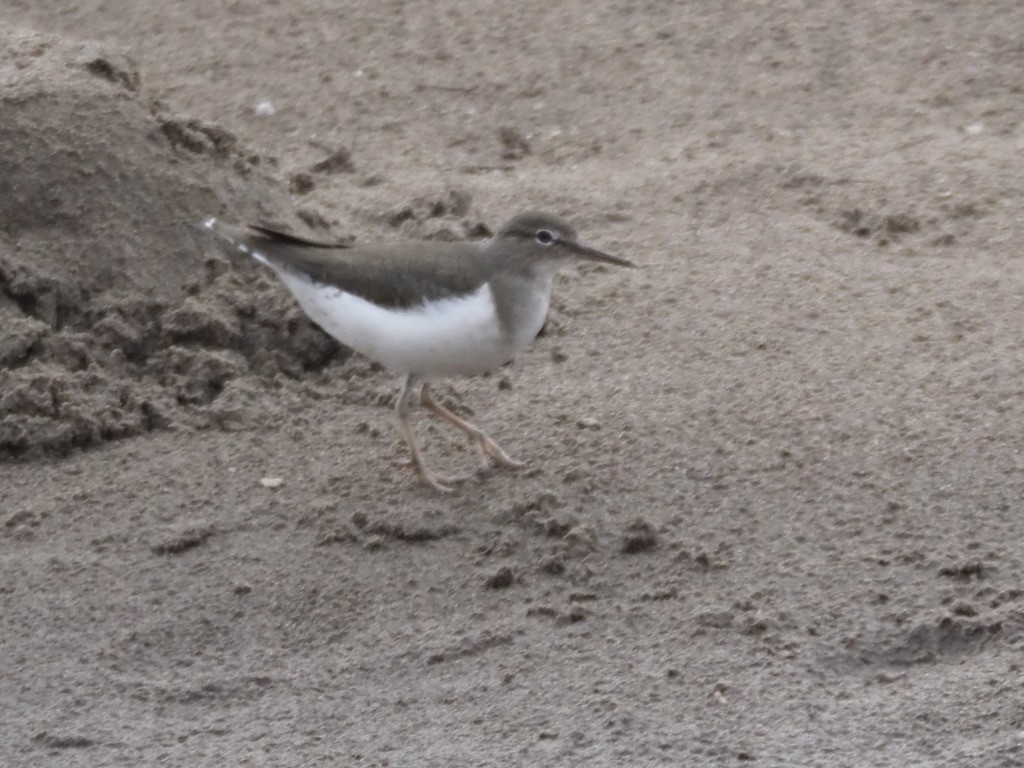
[441, 483]
[492, 456]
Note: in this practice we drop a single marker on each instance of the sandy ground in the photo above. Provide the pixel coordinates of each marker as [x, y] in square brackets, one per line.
[773, 514]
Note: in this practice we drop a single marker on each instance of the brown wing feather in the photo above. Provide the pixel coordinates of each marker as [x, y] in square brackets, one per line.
[286, 237]
[396, 275]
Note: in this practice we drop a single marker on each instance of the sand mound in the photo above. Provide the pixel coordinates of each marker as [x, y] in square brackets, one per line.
[114, 318]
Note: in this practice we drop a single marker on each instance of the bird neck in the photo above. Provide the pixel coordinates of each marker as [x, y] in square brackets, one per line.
[521, 303]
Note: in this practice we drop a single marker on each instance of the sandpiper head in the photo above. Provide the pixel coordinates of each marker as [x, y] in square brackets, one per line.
[540, 239]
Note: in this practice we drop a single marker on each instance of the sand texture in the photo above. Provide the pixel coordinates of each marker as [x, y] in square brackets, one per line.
[774, 507]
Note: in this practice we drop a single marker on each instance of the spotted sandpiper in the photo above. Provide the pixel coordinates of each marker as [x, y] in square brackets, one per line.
[427, 309]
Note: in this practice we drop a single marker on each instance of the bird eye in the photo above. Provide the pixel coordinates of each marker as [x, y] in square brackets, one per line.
[545, 237]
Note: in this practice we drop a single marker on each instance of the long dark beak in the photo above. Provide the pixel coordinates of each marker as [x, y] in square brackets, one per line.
[591, 254]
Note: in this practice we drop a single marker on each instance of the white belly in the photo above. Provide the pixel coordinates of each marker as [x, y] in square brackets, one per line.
[450, 337]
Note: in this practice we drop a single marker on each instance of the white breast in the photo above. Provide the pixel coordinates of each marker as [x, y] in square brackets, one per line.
[450, 337]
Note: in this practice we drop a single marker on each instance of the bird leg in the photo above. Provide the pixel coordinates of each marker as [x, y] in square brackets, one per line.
[418, 465]
[488, 451]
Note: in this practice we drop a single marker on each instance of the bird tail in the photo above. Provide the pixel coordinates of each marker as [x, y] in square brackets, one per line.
[236, 237]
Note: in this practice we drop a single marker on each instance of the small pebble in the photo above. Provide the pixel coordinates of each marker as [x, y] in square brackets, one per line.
[639, 537]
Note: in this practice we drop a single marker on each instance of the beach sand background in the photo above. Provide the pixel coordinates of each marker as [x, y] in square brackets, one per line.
[773, 514]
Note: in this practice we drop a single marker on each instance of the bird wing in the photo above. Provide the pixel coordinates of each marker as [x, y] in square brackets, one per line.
[395, 275]
[286, 237]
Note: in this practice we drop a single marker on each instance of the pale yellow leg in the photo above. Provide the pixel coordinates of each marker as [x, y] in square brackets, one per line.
[418, 465]
[490, 452]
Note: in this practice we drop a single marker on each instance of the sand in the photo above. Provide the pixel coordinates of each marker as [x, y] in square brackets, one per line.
[773, 511]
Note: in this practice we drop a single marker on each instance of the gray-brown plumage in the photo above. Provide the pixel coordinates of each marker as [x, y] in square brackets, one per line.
[427, 308]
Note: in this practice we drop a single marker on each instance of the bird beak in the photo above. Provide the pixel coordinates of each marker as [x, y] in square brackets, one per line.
[591, 254]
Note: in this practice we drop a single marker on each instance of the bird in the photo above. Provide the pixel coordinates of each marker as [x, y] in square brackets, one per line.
[427, 309]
